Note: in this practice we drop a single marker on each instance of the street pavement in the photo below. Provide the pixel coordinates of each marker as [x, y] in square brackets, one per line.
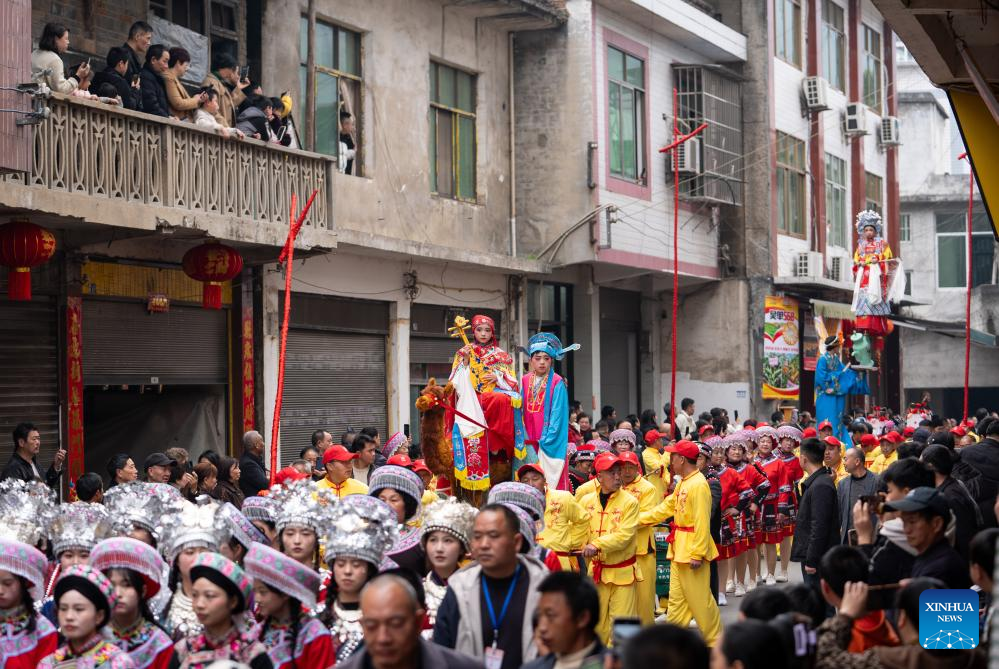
[730, 613]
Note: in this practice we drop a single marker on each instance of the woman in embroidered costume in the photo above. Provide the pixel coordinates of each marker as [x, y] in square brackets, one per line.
[758, 483]
[283, 590]
[736, 499]
[879, 279]
[84, 600]
[788, 441]
[25, 636]
[302, 510]
[134, 569]
[446, 537]
[242, 534]
[359, 532]
[221, 592]
[774, 511]
[402, 490]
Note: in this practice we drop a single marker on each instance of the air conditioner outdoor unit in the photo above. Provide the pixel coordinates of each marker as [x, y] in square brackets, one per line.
[890, 131]
[855, 120]
[836, 269]
[816, 93]
[688, 157]
[809, 265]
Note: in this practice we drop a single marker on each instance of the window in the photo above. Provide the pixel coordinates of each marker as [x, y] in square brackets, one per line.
[549, 309]
[626, 114]
[833, 45]
[787, 28]
[952, 249]
[790, 185]
[904, 230]
[873, 190]
[452, 132]
[872, 69]
[836, 218]
[336, 83]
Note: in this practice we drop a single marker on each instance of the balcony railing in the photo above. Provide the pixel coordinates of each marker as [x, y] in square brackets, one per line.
[88, 148]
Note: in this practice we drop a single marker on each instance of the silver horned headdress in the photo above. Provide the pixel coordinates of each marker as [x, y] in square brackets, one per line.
[194, 526]
[142, 505]
[79, 526]
[301, 504]
[361, 527]
[450, 516]
[25, 509]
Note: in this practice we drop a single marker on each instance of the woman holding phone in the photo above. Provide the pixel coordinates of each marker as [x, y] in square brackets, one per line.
[46, 61]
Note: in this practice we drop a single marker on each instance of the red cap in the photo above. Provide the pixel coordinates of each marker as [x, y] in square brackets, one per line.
[959, 431]
[825, 424]
[908, 431]
[894, 437]
[687, 449]
[289, 474]
[652, 435]
[421, 466]
[401, 461]
[705, 428]
[630, 457]
[869, 440]
[532, 467]
[605, 461]
[339, 453]
[761, 424]
[809, 433]
[832, 441]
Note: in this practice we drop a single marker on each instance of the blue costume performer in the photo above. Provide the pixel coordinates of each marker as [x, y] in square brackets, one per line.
[833, 382]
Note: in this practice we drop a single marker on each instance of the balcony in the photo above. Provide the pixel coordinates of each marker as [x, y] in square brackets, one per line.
[105, 165]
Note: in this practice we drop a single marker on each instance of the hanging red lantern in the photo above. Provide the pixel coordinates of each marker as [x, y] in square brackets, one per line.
[212, 263]
[23, 245]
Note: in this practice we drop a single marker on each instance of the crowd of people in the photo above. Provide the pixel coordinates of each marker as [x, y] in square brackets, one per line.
[150, 78]
[356, 554]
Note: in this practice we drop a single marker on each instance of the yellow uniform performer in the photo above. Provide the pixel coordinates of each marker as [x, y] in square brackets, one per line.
[690, 589]
[655, 464]
[613, 529]
[585, 489]
[839, 473]
[881, 463]
[645, 548]
[348, 487]
[567, 527]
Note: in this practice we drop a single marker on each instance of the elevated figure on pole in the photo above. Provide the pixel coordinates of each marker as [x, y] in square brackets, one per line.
[878, 281]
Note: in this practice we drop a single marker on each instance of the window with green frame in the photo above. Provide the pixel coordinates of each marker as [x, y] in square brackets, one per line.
[872, 69]
[452, 132]
[952, 249]
[790, 185]
[626, 114]
[836, 200]
[336, 84]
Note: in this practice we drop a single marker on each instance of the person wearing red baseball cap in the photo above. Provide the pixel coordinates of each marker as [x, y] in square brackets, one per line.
[611, 545]
[567, 524]
[889, 442]
[690, 544]
[337, 462]
[654, 461]
[834, 458]
[825, 429]
[869, 443]
[638, 487]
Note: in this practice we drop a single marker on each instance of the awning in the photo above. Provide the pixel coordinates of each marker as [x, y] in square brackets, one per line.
[955, 330]
[828, 309]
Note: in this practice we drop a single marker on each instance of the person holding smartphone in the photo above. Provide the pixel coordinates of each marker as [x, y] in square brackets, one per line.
[225, 79]
[116, 74]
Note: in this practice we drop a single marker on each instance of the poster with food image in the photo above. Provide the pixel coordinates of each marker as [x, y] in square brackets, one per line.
[781, 350]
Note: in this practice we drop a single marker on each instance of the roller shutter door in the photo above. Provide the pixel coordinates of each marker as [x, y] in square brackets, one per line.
[29, 373]
[124, 344]
[332, 380]
[433, 349]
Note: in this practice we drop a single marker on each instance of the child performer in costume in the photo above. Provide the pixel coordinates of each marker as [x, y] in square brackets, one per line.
[402, 490]
[758, 483]
[134, 569]
[356, 536]
[25, 636]
[283, 591]
[789, 439]
[446, 536]
[222, 592]
[84, 600]
[879, 279]
[774, 512]
[73, 532]
[546, 408]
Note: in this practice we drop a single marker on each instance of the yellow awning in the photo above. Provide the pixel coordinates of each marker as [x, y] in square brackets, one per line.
[981, 136]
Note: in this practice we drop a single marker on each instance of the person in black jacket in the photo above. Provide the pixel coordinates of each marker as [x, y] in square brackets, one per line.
[140, 36]
[154, 99]
[925, 514]
[114, 74]
[817, 525]
[23, 464]
[967, 515]
[253, 475]
[979, 470]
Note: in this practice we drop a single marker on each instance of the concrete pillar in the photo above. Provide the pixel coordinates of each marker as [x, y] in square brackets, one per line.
[397, 365]
[649, 349]
[273, 286]
[586, 332]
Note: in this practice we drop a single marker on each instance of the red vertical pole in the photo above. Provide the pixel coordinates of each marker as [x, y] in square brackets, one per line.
[967, 299]
[676, 264]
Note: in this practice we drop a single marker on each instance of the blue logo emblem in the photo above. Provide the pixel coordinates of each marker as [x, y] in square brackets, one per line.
[948, 619]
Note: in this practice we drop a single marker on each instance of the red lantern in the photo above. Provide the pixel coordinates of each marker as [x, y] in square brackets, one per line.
[23, 245]
[212, 263]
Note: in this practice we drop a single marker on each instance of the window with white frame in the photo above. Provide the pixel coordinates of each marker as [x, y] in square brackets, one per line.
[833, 45]
[836, 216]
[904, 230]
[952, 249]
[787, 31]
[790, 185]
[871, 74]
[626, 114]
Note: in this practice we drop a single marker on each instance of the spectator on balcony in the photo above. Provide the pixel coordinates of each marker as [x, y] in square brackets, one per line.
[140, 36]
[182, 105]
[46, 61]
[154, 98]
[255, 118]
[206, 116]
[224, 78]
[114, 74]
[347, 149]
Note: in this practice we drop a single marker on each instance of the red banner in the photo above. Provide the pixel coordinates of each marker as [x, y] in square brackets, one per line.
[247, 367]
[74, 386]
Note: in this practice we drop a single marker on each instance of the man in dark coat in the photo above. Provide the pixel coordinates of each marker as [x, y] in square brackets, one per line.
[154, 98]
[140, 36]
[114, 74]
[817, 528]
[23, 464]
[253, 474]
[979, 470]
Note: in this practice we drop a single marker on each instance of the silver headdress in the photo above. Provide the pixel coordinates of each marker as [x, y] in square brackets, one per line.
[79, 525]
[25, 509]
[361, 527]
[450, 516]
[142, 505]
[301, 504]
[871, 218]
[194, 526]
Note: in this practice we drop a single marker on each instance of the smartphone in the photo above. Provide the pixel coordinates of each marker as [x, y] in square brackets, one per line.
[880, 597]
[876, 502]
[135, 79]
[244, 72]
[851, 537]
[623, 629]
[405, 429]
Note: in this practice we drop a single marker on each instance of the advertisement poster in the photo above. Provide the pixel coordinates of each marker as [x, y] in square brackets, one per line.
[781, 361]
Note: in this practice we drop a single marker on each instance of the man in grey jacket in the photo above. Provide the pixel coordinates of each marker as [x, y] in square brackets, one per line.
[860, 482]
[486, 611]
